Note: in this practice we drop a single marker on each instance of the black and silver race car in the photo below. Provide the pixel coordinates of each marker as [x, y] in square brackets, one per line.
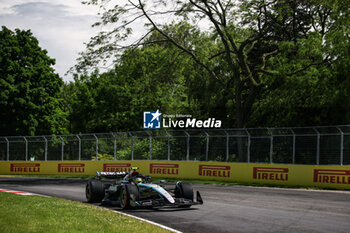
[133, 190]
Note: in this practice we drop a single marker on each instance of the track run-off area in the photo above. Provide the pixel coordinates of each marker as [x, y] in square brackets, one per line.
[225, 208]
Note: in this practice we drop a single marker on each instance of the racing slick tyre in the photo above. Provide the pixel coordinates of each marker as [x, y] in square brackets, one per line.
[94, 191]
[129, 194]
[184, 190]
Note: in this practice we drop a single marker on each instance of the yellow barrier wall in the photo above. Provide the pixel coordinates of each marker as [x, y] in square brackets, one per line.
[337, 177]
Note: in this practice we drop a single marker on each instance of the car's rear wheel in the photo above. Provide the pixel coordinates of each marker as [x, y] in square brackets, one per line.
[94, 191]
[129, 194]
[184, 190]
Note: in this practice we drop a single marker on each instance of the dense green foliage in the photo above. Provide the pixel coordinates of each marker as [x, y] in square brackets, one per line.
[29, 88]
[115, 100]
[260, 63]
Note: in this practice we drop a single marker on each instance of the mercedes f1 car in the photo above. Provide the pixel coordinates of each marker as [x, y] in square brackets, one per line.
[133, 190]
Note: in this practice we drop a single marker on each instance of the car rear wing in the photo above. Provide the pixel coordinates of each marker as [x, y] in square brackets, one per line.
[111, 175]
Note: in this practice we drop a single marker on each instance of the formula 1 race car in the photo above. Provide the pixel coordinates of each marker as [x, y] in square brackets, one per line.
[132, 190]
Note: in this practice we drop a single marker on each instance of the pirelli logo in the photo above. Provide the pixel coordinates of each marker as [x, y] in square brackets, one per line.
[326, 176]
[270, 173]
[71, 167]
[164, 168]
[214, 170]
[25, 167]
[116, 167]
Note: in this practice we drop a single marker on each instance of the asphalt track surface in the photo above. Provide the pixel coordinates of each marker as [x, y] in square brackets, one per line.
[226, 208]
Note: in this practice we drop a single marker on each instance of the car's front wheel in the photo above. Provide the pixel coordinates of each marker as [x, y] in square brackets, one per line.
[184, 190]
[129, 194]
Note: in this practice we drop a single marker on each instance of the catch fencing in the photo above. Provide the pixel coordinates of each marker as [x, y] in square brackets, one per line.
[307, 145]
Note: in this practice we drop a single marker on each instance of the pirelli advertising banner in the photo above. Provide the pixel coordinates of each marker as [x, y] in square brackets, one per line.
[337, 177]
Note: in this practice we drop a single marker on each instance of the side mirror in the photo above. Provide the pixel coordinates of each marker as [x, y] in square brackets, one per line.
[148, 179]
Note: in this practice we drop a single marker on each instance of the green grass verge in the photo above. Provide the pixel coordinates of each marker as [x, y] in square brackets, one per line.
[42, 214]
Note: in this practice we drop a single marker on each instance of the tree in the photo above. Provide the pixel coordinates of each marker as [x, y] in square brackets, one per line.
[318, 95]
[30, 100]
[115, 100]
[253, 40]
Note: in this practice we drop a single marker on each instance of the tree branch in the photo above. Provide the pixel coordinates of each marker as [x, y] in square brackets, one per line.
[194, 57]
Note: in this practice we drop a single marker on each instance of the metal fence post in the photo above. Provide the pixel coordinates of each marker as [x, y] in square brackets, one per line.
[150, 145]
[341, 146]
[248, 149]
[45, 153]
[227, 146]
[318, 147]
[96, 138]
[271, 145]
[7, 149]
[168, 143]
[26, 141]
[114, 146]
[294, 141]
[79, 149]
[188, 146]
[132, 146]
[62, 148]
[207, 146]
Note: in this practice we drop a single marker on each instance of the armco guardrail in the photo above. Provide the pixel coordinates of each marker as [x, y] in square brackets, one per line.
[337, 177]
[308, 145]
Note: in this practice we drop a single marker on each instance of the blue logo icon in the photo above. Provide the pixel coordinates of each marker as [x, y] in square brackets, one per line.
[151, 120]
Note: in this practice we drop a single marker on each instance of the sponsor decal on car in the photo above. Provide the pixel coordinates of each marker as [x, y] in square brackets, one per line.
[270, 173]
[116, 167]
[214, 170]
[71, 167]
[164, 168]
[25, 167]
[331, 176]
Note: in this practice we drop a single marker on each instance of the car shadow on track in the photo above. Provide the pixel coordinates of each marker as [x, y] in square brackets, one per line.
[142, 210]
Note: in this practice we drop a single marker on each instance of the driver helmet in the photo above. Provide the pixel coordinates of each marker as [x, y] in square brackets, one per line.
[138, 180]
